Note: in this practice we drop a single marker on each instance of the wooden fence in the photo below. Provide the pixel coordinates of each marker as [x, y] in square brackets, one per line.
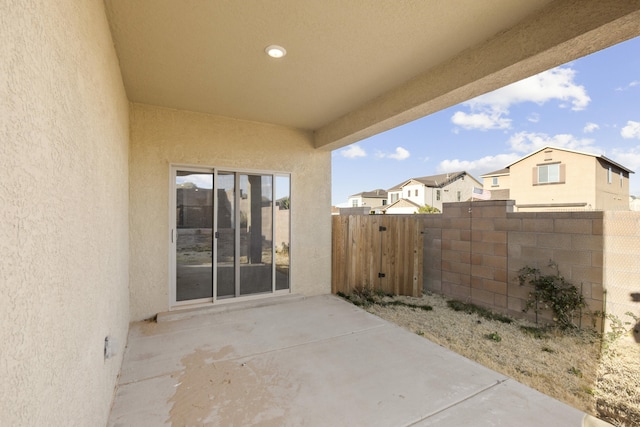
[378, 252]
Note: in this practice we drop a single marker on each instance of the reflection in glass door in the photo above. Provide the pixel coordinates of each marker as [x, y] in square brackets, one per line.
[225, 234]
[194, 235]
[256, 234]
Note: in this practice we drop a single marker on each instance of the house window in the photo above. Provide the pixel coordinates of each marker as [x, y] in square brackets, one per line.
[354, 203]
[437, 194]
[408, 193]
[415, 193]
[494, 181]
[609, 173]
[621, 178]
[394, 197]
[459, 196]
[384, 202]
[549, 173]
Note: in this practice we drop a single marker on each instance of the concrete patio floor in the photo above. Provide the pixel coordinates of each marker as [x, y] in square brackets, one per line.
[316, 361]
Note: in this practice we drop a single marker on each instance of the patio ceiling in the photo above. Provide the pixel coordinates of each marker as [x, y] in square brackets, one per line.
[353, 68]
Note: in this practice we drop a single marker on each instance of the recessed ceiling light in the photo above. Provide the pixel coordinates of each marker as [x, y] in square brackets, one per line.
[275, 51]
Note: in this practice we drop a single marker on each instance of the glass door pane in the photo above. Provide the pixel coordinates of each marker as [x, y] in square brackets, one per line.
[194, 238]
[226, 235]
[256, 234]
[282, 223]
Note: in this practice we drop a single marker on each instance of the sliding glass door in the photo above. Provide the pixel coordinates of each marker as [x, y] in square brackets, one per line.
[231, 234]
[193, 235]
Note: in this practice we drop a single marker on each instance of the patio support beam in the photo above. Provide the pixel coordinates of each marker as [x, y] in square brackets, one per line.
[561, 32]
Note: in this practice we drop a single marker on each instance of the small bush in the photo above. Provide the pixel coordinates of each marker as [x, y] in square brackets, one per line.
[493, 337]
[554, 292]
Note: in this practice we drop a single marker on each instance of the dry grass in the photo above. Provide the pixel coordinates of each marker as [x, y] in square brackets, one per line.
[570, 367]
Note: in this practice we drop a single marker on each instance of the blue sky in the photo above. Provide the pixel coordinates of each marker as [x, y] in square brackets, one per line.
[591, 104]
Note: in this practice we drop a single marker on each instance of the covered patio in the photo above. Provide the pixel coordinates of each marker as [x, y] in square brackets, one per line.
[105, 104]
[317, 361]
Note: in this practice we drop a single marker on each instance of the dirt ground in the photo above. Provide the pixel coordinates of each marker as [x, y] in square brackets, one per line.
[573, 367]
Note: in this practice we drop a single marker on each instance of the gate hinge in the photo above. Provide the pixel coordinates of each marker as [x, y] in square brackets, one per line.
[382, 228]
[216, 234]
[380, 275]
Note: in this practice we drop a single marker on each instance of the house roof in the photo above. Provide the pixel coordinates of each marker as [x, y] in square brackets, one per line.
[353, 69]
[400, 203]
[598, 156]
[373, 194]
[499, 172]
[434, 181]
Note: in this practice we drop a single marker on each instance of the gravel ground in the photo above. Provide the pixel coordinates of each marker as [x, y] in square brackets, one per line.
[571, 367]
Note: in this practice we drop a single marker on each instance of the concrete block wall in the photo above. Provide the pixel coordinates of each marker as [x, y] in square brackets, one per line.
[572, 240]
[622, 263]
[474, 250]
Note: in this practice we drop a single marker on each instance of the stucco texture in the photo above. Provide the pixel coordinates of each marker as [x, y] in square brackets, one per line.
[161, 137]
[64, 213]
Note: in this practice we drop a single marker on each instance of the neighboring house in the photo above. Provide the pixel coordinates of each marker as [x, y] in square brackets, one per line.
[360, 210]
[553, 179]
[435, 190]
[634, 203]
[402, 206]
[498, 183]
[369, 198]
[127, 99]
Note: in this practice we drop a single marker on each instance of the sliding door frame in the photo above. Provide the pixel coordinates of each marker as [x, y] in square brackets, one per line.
[172, 282]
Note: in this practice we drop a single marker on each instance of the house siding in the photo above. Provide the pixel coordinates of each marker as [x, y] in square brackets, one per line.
[611, 196]
[579, 186]
[64, 231]
[161, 137]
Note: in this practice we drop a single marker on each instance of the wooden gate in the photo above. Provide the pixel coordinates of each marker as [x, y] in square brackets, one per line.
[378, 252]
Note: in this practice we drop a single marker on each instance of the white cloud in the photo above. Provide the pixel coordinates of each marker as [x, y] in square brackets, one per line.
[590, 127]
[488, 111]
[399, 154]
[482, 121]
[628, 157]
[534, 117]
[629, 86]
[479, 166]
[353, 152]
[631, 130]
[527, 142]
[556, 83]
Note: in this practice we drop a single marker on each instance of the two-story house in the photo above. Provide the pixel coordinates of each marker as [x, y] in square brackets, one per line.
[435, 190]
[553, 179]
[371, 198]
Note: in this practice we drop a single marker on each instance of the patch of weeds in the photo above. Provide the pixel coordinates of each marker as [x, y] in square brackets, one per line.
[588, 390]
[381, 293]
[575, 371]
[363, 297]
[480, 311]
[548, 349]
[536, 331]
[617, 329]
[420, 332]
[405, 304]
[523, 371]
[493, 337]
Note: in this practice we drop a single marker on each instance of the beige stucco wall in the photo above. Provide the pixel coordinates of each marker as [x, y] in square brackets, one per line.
[611, 196]
[579, 186]
[161, 137]
[64, 213]
[504, 182]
